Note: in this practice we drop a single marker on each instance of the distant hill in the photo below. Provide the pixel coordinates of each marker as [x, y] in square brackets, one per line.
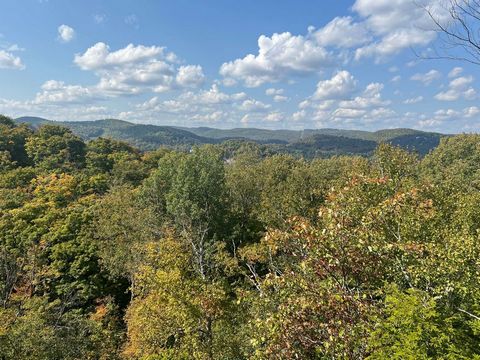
[326, 145]
[309, 142]
[145, 137]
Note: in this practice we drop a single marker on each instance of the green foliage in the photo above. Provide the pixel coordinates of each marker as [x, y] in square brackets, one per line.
[307, 143]
[177, 314]
[55, 147]
[12, 143]
[411, 329]
[236, 250]
[455, 162]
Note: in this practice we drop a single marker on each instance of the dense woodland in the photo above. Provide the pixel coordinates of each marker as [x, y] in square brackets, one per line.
[230, 252]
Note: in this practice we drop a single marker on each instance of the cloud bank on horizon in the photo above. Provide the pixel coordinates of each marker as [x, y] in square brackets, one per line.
[353, 68]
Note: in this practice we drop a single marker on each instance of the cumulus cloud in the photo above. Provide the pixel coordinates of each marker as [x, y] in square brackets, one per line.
[340, 85]
[100, 57]
[471, 111]
[396, 25]
[458, 88]
[190, 103]
[456, 118]
[252, 105]
[456, 71]
[413, 100]
[427, 78]
[396, 78]
[370, 98]
[137, 68]
[53, 110]
[10, 61]
[275, 116]
[342, 32]
[336, 102]
[190, 76]
[128, 71]
[280, 98]
[276, 94]
[65, 33]
[273, 91]
[279, 57]
[208, 107]
[381, 29]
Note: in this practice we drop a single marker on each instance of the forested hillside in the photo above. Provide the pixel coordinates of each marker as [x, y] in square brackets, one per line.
[307, 143]
[229, 252]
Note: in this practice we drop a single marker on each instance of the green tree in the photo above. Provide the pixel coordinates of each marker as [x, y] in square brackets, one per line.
[56, 148]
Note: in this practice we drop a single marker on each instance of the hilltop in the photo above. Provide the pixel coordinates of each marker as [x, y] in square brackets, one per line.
[309, 142]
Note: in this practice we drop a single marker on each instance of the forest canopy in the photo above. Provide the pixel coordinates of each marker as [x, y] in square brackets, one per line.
[228, 251]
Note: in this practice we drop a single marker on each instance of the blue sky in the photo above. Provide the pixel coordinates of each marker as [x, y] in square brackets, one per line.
[270, 63]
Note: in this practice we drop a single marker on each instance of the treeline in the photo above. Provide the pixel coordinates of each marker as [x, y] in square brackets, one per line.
[228, 252]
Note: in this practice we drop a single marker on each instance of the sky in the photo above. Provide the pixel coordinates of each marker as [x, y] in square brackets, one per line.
[279, 64]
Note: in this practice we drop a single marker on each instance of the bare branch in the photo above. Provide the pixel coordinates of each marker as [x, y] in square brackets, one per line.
[459, 35]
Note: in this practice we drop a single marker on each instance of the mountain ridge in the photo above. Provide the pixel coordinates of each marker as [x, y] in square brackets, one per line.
[313, 141]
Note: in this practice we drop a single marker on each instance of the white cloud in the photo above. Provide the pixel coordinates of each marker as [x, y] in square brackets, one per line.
[277, 94]
[190, 76]
[370, 98]
[14, 48]
[273, 91]
[382, 28]
[393, 43]
[10, 61]
[413, 100]
[190, 103]
[455, 117]
[280, 98]
[99, 18]
[279, 57]
[348, 113]
[212, 96]
[342, 32]
[299, 115]
[54, 110]
[340, 85]
[335, 104]
[396, 78]
[261, 119]
[137, 68]
[397, 25]
[252, 105]
[99, 56]
[458, 88]
[471, 111]
[65, 33]
[427, 78]
[456, 71]
[57, 92]
[207, 107]
[275, 116]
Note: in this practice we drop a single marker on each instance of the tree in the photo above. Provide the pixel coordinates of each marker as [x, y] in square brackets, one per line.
[176, 314]
[122, 227]
[56, 147]
[12, 142]
[454, 163]
[411, 329]
[458, 24]
[189, 190]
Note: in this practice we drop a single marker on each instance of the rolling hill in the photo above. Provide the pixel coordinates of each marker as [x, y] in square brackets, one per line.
[309, 142]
